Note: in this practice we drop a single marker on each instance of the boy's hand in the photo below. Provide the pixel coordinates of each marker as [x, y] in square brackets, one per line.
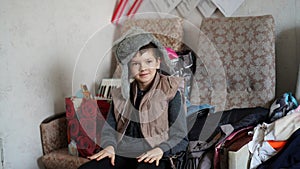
[151, 156]
[109, 152]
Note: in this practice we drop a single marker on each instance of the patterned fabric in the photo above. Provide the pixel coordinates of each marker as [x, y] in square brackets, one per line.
[169, 31]
[236, 62]
[54, 135]
[60, 159]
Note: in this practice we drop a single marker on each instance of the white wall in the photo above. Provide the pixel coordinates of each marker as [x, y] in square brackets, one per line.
[39, 44]
[41, 40]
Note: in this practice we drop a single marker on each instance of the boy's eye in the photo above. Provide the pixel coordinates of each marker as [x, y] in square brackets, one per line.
[149, 61]
[134, 64]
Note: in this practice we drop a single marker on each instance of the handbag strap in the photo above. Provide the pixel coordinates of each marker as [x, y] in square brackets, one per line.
[210, 125]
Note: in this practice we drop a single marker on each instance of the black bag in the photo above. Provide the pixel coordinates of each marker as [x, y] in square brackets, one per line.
[201, 146]
[178, 161]
[195, 124]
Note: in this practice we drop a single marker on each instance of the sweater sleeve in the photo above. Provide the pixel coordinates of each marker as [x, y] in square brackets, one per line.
[108, 135]
[178, 140]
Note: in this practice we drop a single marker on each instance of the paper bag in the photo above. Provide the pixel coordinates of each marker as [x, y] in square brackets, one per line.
[85, 118]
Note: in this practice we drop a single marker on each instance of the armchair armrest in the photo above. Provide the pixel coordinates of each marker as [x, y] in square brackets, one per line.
[53, 132]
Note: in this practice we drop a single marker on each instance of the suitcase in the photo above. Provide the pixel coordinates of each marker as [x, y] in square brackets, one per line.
[232, 152]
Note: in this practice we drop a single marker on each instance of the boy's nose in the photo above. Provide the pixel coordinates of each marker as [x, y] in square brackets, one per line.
[143, 66]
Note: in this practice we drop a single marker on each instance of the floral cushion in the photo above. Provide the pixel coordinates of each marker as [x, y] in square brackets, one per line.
[236, 62]
[169, 31]
[61, 159]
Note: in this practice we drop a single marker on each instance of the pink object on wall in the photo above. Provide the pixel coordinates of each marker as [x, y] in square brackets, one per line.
[172, 54]
[133, 9]
[121, 9]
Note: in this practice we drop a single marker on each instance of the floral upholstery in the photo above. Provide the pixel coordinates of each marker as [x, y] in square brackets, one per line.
[60, 159]
[236, 62]
[54, 133]
[169, 31]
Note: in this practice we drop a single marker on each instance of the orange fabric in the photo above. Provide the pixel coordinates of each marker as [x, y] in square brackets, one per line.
[277, 145]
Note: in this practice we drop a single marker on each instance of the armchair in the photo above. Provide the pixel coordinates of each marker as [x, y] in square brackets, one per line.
[54, 144]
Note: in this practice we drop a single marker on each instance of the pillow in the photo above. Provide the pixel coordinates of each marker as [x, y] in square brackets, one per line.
[169, 31]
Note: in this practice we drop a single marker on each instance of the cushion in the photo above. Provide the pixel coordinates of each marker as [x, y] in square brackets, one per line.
[53, 134]
[240, 69]
[59, 159]
[169, 31]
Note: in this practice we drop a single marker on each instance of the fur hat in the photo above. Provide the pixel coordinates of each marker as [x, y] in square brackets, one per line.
[126, 47]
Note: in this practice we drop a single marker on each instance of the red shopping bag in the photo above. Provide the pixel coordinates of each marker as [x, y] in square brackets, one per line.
[85, 118]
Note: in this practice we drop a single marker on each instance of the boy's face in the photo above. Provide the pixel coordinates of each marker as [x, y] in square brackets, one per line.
[143, 66]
